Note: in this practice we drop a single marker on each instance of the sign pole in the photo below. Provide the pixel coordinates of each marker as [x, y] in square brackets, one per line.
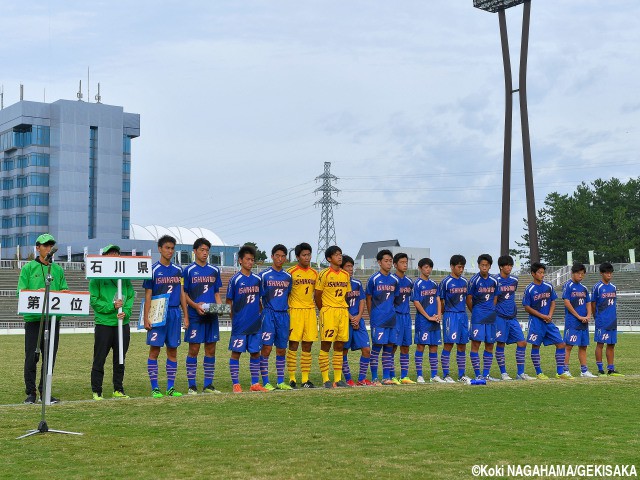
[120, 342]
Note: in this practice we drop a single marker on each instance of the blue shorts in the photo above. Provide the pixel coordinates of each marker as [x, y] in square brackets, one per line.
[540, 332]
[358, 339]
[427, 337]
[383, 336]
[275, 328]
[577, 337]
[508, 330]
[169, 333]
[245, 343]
[403, 329]
[610, 337]
[483, 332]
[456, 327]
[202, 332]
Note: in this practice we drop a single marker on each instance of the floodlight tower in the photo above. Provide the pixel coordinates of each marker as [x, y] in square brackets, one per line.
[327, 235]
[500, 6]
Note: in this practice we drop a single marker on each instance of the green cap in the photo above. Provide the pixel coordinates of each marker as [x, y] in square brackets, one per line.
[108, 248]
[45, 238]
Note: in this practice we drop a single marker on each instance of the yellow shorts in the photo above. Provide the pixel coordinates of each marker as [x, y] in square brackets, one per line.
[334, 324]
[303, 325]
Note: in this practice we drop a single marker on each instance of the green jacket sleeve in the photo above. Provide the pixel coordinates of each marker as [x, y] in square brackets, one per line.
[23, 281]
[99, 303]
[128, 297]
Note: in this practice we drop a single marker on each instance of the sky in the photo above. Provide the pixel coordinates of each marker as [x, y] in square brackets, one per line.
[242, 102]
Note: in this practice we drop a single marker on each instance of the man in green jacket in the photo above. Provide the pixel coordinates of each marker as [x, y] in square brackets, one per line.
[32, 277]
[105, 304]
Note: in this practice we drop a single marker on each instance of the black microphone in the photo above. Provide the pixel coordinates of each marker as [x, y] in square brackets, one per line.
[51, 254]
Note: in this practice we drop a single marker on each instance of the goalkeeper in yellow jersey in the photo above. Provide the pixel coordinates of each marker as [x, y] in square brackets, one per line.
[331, 289]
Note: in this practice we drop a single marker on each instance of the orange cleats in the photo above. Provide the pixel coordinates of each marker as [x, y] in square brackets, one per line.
[237, 388]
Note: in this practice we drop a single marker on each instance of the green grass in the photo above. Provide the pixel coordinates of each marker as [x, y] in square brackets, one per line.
[431, 431]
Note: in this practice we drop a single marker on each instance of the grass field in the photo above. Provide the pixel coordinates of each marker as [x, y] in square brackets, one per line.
[432, 431]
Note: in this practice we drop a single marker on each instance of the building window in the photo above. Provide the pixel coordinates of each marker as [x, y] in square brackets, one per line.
[126, 144]
[7, 202]
[21, 181]
[126, 205]
[93, 166]
[125, 224]
[21, 221]
[39, 219]
[37, 199]
[7, 164]
[126, 186]
[7, 241]
[21, 201]
[7, 183]
[126, 167]
[7, 222]
[39, 179]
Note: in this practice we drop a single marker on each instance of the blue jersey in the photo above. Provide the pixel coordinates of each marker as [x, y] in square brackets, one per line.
[454, 293]
[244, 292]
[166, 279]
[201, 283]
[539, 297]
[506, 293]
[276, 286]
[482, 291]
[403, 300]
[604, 296]
[354, 297]
[578, 295]
[383, 290]
[426, 292]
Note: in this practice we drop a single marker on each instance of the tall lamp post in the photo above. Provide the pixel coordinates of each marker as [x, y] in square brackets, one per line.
[500, 6]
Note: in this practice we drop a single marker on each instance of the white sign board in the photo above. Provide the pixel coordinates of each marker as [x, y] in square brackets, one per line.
[109, 266]
[60, 303]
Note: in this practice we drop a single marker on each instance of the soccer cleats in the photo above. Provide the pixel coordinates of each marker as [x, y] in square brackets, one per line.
[524, 376]
[565, 376]
[364, 383]
[341, 384]
[31, 399]
[119, 394]
[396, 381]
[97, 397]
[284, 386]
[407, 381]
[387, 381]
[172, 392]
[420, 380]
[489, 378]
[448, 379]
[293, 385]
[308, 384]
[210, 389]
[192, 390]
[614, 373]
[588, 374]
[542, 376]
[466, 380]
[350, 383]
[156, 393]
[601, 372]
[268, 387]
[327, 385]
[256, 387]
[505, 376]
[437, 379]
[237, 388]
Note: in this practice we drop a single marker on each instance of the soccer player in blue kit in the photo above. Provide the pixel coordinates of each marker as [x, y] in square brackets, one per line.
[358, 335]
[403, 319]
[167, 278]
[577, 313]
[539, 302]
[453, 293]
[604, 298]
[382, 288]
[243, 295]
[202, 286]
[508, 329]
[481, 303]
[276, 285]
[428, 320]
